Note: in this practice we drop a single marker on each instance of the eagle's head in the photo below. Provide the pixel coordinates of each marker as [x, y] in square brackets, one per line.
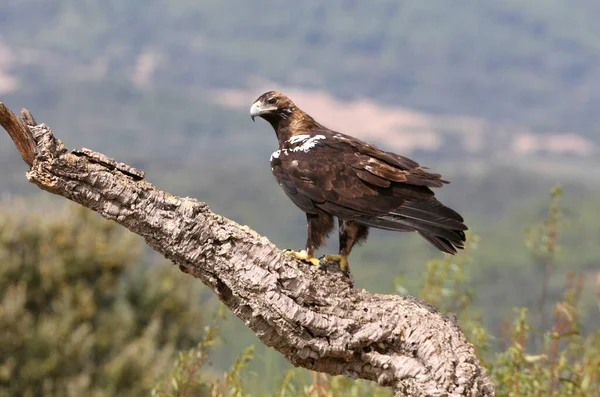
[272, 106]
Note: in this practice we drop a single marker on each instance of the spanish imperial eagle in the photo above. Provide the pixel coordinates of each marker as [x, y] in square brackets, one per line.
[328, 174]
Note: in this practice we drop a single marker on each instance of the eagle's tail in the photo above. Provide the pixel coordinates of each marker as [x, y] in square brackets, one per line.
[438, 224]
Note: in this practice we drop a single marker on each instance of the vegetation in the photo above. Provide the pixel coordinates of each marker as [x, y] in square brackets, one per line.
[565, 363]
[81, 315]
[533, 63]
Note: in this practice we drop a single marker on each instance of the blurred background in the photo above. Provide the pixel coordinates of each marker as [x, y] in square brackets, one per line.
[500, 97]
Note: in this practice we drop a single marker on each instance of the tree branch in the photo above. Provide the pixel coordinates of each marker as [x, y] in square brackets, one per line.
[18, 131]
[313, 317]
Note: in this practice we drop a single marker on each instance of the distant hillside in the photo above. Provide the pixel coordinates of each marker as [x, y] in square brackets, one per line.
[408, 131]
[533, 63]
[499, 96]
[165, 86]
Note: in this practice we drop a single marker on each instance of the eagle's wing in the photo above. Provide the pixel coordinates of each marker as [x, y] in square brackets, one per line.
[321, 178]
[354, 180]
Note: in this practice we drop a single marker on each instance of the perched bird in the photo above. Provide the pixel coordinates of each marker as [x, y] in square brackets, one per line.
[328, 174]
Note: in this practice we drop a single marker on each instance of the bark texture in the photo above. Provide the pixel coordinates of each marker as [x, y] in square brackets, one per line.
[313, 317]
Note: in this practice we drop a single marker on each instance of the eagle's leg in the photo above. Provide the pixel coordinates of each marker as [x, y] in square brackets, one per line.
[351, 233]
[319, 225]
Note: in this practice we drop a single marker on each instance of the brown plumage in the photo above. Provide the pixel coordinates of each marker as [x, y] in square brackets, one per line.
[329, 174]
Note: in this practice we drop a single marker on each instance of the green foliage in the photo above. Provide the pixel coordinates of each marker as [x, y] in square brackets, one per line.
[78, 314]
[565, 364]
[185, 378]
[295, 383]
[532, 63]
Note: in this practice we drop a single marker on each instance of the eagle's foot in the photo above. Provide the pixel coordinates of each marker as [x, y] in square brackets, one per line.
[340, 260]
[303, 256]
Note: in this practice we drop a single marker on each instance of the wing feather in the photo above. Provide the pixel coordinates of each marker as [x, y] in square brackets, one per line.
[375, 167]
[372, 179]
[386, 165]
[393, 159]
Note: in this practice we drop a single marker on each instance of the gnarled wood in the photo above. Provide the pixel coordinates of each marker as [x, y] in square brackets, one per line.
[18, 131]
[313, 317]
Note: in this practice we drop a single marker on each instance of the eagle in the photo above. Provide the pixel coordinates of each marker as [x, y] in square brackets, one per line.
[328, 175]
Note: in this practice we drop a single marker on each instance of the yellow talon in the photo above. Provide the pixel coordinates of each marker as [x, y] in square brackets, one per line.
[303, 256]
[341, 260]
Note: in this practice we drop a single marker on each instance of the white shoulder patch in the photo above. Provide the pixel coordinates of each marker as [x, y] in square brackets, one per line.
[308, 142]
[298, 138]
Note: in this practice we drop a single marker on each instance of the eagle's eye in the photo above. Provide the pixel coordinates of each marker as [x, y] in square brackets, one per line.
[272, 100]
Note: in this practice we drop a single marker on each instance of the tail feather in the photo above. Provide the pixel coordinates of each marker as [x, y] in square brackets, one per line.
[438, 224]
[433, 208]
[441, 243]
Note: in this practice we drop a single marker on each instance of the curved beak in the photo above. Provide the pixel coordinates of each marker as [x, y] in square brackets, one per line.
[255, 110]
